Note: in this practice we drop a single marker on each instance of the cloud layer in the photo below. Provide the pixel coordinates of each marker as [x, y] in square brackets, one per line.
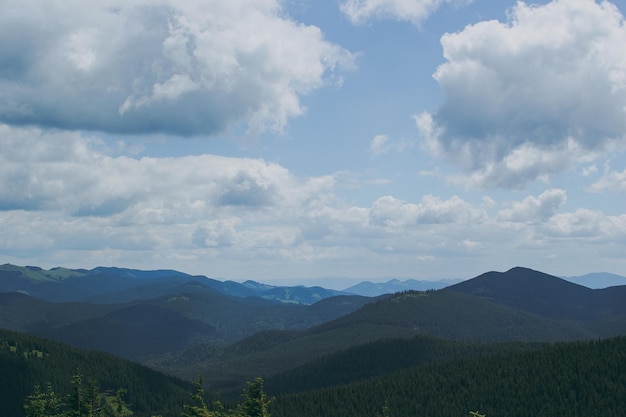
[65, 196]
[178, 67]
[529, 98]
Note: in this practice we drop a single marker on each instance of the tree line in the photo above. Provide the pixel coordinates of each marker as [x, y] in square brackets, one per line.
[86, 400]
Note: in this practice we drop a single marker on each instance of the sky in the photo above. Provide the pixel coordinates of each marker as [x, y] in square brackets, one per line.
[314, 141]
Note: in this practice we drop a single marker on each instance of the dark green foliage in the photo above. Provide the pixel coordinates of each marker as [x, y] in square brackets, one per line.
[381, 357]
[255, 402]
[577, 379]
[27, 361]
[199, 407]
[42, 404]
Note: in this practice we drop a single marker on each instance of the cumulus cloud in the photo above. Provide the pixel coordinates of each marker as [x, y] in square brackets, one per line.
[179, 67]
[590, 226]
[535, 209]
[531, 97]
[68, 198]
[64, 172]
[612, 181]
[390, 211]
[414, 11]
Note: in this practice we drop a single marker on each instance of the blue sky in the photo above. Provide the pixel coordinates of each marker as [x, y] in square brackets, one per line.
[292, 141]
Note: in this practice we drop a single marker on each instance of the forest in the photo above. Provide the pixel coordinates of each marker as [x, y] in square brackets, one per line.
[86, 400]
[585, 378]
[565, 379]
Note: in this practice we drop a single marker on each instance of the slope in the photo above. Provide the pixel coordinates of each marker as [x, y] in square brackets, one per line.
[445, 314]
[574, 379]
[190, 314]
[545, 295]
[27, 361]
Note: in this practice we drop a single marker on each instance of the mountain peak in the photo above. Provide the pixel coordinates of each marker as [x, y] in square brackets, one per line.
[530, 290]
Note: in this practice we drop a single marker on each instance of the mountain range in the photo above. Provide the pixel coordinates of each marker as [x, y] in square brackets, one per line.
[300, 338]
[184, 324]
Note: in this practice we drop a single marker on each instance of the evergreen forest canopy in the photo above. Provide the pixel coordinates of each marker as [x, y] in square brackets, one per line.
[579, 378]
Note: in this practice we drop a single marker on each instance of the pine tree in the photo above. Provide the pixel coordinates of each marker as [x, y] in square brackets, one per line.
[199, 409]
[42, 404]
[255, 401]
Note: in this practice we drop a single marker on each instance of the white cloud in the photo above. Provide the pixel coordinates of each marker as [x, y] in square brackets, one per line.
[535, 209]
[379, 144]
[64, 172]
[392, 212]
[182, 67]
[533, 96]
[382, 144]
[66, 198]
[589, 170]
[588, 226]
[414, 11]
[611, 181]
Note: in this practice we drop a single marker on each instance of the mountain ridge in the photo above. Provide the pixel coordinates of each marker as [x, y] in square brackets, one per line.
[542, 293]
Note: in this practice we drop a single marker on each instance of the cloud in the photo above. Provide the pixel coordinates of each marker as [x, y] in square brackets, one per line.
[392, 212]
[611, 181]
[415, 11]
[531, 97]
[183, 68]
[69, 199]
[379, 144]
[64, 172]
[535, 209]
[382, 144]
[588, 226]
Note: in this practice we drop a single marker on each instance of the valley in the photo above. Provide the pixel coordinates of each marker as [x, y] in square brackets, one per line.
[311, 344]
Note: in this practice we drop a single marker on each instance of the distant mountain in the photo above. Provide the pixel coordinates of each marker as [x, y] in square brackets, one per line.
[545, 295]
[190, 314]
[373, 289]
[598, 280]
[21, 312]
[117, 285]
[517, 305]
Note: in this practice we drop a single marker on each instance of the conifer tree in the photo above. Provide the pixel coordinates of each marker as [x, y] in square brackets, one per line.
[42, 404]
[199, 409]
[255, 401]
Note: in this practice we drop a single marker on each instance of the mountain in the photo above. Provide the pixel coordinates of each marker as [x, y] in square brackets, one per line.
[21, 312]
[545, 295]
[373, 289]
[444, 314]
[190, 314]
[517, 305]
[598, 280]
[209, 327]
[117, 285]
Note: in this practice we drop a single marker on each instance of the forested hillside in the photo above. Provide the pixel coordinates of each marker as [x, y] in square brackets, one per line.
[27, 361]
[576, 379]
[382, 357]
